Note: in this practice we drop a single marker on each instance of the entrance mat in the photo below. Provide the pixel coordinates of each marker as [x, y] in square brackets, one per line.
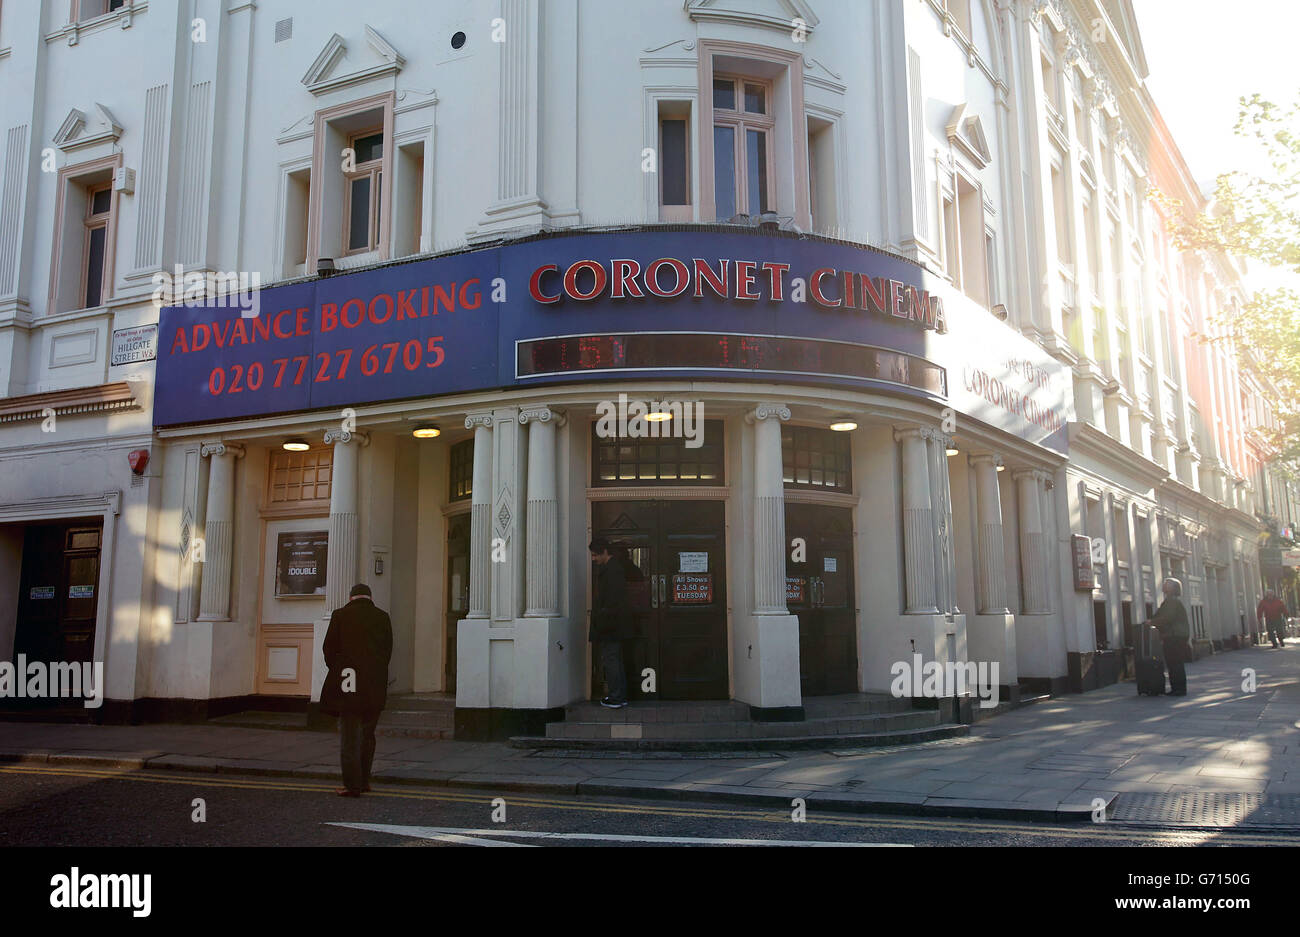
[1209, 810]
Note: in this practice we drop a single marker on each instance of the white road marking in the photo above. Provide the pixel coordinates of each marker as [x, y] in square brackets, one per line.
[473, 837]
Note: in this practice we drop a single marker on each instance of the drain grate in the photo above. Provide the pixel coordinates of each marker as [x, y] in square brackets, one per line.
[1209, 809]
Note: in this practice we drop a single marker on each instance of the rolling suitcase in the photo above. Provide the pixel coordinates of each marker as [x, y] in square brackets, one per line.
[1150, 669]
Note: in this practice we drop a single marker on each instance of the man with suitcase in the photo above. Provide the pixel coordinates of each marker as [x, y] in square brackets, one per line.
[1171, 620]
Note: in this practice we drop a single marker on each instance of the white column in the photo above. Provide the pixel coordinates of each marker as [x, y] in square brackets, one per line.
[1033, 543]
[542, 591]
[918, 524]
[480, 517]
[941, 499]
[990, 575]
[342, 551]
[218, 530]
[769, 510]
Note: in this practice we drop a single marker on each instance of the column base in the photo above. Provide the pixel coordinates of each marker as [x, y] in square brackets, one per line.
[319, 627]
[523, 664]
[992, 638]
[766, 664]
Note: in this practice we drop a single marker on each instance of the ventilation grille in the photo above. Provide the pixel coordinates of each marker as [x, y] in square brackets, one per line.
[284, 29]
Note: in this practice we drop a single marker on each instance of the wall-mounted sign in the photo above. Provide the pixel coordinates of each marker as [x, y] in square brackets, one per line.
[137, 344]
[300, 558]
[1291, 557]
[692, 562]
[829, 564]
[81, 592]
[40, 593]
[542, 311]
[794, 589]
[1081, 554]
[692, 588]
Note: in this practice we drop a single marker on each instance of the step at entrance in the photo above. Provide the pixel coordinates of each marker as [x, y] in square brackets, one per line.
[849, 720]
[419, 715]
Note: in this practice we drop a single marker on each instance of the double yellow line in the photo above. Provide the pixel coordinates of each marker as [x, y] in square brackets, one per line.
[1095, 832]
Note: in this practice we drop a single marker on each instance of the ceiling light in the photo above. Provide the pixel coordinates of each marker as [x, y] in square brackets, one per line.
[1002, 468]
[843, 424]
[296, 444]
[952, 450]
[426, 431]
[659, 416]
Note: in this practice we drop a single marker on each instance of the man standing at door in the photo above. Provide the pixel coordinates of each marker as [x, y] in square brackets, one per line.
[358, 646]
[611, 621]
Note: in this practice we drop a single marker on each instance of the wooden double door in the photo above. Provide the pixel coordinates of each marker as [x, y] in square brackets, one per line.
[819, 591]
[59, 592]
[678, 585]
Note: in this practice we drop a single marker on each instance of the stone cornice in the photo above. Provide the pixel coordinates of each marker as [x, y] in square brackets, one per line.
[100, 399]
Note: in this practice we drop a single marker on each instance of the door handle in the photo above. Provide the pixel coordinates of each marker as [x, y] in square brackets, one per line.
[663, 589]
[654, 591]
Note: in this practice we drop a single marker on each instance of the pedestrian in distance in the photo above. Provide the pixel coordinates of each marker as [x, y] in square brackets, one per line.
[358, 646]
[1170, 620]
[611, 620]
[1272, 611]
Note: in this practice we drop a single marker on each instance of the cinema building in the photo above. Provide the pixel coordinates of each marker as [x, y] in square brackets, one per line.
[754, 288]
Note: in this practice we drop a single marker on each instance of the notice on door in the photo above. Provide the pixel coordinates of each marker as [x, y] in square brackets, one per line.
[300, 563]
[794, 589]
[692, 588]
[693, 562]
[81, 592]
[829, 564]
[42, 592]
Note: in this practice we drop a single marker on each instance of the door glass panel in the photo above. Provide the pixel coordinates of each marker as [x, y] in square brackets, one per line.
[724, 172]
[95, 267]
[359, 216]
[834, 575]
[756, 162]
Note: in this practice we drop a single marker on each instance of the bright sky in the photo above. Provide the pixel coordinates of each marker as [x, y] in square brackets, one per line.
[1206, 54]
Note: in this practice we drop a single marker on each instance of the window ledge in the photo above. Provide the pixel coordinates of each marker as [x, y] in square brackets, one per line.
[73, 31]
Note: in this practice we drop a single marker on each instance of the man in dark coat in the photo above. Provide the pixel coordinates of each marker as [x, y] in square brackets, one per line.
[1171, 621]
[611, 621]
[1272, 612]
[358, 646]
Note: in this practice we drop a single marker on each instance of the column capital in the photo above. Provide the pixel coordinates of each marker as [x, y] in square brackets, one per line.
[766, 410]
[1037, 475]
[333, 436]
[540, 414]
[221, 448]
[979, 458]
[482, 418]
[909, 432]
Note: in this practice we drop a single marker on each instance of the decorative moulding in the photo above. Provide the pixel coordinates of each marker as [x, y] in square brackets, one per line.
[967, 134]
[105, 397]
[770, 14]
[320, 77]
[78, 130]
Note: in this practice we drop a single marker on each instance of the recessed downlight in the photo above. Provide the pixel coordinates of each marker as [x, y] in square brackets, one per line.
[296, 444]
[426, 431]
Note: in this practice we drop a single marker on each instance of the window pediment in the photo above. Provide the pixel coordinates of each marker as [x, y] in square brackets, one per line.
[79, 130]
[967, 134]
[321, 77]
[769, 14]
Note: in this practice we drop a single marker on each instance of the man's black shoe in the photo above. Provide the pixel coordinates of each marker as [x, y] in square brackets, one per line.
[613, 704]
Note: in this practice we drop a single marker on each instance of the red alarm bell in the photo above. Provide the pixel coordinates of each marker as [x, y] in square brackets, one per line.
[138, 459]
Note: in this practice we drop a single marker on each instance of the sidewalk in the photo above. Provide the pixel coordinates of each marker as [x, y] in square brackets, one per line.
[1218, 757]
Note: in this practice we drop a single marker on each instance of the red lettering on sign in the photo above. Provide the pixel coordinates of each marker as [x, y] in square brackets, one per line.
[275, 327]
[625, 284]
[180, 340]
[374, 302]
[361, 313]
[815, 287]
[301, 321]
[681, 270]
[716, 281]
[404, 308]
[535, 285]
[465, 294]
[745, 280]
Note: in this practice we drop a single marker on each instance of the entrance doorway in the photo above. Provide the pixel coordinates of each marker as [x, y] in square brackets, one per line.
[819, 591]
[59, 592]
[679, 592]
[457, 591]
